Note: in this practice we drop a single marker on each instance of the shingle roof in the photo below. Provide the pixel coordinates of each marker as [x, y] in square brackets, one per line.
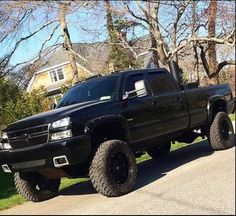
[96, 54]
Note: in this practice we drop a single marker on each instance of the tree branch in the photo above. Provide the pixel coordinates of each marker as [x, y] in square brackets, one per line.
[225, 40]
[220, 66]
[49, 38]
[135, 16]
[204, 60]
[17, 24]
[4, 62]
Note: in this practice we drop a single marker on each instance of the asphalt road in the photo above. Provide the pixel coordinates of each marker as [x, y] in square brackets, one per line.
[192, 180]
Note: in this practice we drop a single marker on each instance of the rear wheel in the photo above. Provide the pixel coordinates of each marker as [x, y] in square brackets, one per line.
[159, 151]
[221, 132]
[35, 187]
[113, 170]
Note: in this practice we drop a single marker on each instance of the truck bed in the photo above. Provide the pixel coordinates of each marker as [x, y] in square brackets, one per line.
[198, 102]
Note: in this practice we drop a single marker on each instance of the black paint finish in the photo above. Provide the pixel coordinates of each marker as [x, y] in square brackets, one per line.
[159, 116]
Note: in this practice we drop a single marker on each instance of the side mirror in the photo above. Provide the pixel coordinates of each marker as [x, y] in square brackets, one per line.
[140, 91]
[140, 88]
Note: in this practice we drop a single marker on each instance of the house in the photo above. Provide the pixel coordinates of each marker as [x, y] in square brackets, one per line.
[57, 72]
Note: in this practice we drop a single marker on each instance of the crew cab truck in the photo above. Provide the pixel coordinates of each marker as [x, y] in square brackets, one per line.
[102, 124]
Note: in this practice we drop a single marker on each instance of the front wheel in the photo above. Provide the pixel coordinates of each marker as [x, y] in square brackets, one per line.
[221, 132]
[35, 187]
[113, 170]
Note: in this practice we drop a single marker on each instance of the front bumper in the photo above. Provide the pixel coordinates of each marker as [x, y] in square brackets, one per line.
[76, 150]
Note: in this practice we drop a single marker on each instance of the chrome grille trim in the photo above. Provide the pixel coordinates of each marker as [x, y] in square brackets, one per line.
[38, 126]
[26, 137]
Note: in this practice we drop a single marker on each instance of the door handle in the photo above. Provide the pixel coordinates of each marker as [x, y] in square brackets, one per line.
[177, 99]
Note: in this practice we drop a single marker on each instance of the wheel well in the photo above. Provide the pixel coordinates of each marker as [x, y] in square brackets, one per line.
[218, 106]
[108, 131]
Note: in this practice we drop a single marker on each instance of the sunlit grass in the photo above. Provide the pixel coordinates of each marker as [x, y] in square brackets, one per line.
[65, 183]
[9, 197]
[232, 116]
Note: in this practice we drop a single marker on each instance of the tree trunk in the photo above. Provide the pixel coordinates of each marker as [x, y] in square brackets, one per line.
[67, 41]
[155, 55]
[196, 59]
[112, 36]
[211, 44]
[154, 52]
[160, 46]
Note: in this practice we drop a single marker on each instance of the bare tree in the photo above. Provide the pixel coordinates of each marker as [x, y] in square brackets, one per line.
[194, 29]
[173, 27]
[162, 50]
[67, 41]
[18, 30]
[208, 44]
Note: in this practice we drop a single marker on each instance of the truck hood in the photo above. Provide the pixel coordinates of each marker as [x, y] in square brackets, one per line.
[50, 116]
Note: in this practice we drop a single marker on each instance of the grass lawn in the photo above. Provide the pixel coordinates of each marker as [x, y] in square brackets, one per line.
[232, 117]
[173, 148]
[9, 197]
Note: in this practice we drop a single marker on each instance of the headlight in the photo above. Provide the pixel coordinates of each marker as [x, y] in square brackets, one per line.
[61, 123]
[61, 135]
[4, 145]
[4, 135]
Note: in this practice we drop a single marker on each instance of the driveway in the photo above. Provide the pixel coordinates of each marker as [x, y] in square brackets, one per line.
[192, 180]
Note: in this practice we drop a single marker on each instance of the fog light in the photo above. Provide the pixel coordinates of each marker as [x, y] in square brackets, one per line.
[61, 135]
[60, 161]
[6, 168]
[5, 146]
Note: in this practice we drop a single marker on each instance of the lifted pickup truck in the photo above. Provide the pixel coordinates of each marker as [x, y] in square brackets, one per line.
[102, 124]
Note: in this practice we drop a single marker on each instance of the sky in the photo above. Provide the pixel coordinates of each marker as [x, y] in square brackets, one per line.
[82, 28]
[85, 26]
[31, 47]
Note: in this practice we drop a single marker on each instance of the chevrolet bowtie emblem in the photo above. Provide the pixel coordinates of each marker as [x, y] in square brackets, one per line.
[26, 137]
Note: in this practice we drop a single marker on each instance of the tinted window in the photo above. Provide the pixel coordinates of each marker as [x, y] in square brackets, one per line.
[131, 80]
[161, 82]
[97, 89]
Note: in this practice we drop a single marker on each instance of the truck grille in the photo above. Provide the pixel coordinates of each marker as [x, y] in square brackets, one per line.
[28, 137]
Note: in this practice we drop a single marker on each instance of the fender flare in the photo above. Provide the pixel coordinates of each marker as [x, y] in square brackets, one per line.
[94, 123]
[210, 104]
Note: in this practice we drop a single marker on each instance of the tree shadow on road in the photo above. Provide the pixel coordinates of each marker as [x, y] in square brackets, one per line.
[152, 170]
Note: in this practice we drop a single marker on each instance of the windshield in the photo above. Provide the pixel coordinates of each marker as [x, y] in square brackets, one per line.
[97, 89]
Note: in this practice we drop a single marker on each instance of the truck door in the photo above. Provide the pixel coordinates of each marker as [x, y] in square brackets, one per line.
[173, 104]
[140, 112]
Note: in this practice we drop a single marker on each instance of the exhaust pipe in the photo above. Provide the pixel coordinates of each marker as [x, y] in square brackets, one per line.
[6, 168]
[176, 71]
[60, 161]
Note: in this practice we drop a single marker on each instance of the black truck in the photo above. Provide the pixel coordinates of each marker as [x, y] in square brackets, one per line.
[102, 124]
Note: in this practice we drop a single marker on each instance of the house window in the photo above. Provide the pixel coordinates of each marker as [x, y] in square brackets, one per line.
[57, 75]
